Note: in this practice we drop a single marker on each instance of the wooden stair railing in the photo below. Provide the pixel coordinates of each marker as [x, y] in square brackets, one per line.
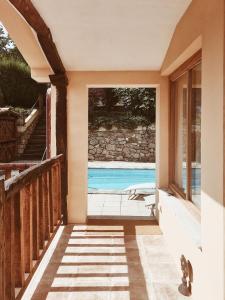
[7, 169]
[30, 213]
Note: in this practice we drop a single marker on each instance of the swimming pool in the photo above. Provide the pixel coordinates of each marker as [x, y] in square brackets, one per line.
[118, 179]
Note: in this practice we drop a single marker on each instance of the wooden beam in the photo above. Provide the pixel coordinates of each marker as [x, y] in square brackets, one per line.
[61, 134]
[34, 19]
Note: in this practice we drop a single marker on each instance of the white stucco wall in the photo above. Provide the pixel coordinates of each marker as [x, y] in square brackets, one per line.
[203, 22]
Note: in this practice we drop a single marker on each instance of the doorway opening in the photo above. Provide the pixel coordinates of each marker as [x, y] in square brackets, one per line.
[121, 152]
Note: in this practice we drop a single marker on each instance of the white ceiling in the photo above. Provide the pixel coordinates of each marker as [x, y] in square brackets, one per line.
[99, 35]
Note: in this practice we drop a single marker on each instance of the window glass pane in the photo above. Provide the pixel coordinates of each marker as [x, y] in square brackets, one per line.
[180, 98]
[196, 135]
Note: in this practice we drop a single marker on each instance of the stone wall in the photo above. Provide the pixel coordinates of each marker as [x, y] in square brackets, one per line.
[136, 145]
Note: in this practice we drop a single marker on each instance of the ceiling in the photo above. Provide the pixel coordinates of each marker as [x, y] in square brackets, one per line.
[100, 35]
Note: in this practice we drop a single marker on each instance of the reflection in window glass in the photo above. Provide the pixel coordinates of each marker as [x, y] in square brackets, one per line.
[196, 135]
[180, 105]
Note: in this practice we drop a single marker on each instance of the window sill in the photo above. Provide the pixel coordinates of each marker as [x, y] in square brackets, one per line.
[186, 213]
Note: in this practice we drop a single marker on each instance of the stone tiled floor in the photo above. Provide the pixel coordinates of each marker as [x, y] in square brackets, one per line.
[110, 261]
[117, 205]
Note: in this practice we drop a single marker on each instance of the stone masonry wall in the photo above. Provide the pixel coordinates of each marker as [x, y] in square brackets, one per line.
[136, 145]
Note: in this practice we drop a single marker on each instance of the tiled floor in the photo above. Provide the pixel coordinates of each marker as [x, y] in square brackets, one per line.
[117, 205]
[116, 261]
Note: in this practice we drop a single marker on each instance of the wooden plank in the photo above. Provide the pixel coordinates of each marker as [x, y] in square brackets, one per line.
[2, 241]
[27, 220]
[50, 200]
[9, 280]
[19, 241]
[16, 166]
[54, 195]
[45, 196]
[41, 214]
[59, 191]
[48, 123]
[35, 225]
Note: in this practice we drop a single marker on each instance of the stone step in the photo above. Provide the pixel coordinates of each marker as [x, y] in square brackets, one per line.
[40, 129]
[38, 136]
[35, 148]
[37, 143]
[30, 157]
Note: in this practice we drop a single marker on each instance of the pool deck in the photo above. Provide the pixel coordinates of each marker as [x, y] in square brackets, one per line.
[116, 205]
[120, 165]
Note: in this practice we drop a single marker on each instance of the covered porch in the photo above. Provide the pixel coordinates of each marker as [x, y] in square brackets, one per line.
[49, 249]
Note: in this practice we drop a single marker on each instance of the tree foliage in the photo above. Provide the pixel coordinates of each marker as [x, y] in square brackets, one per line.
[8, 49]
[17, 88]
[121, 107]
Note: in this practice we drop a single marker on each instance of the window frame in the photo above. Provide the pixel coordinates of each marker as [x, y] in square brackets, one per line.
[186, 67]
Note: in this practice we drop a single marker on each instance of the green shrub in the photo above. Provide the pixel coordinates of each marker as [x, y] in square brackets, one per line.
[17, 88]
[121, 107]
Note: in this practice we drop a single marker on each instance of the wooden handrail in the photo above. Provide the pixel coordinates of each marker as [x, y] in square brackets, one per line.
[7, 169]
[30, 213]
[15, 166]
[13, 184]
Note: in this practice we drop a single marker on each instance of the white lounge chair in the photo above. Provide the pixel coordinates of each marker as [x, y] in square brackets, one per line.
[141, 188]
[150, 203]
[147, 189]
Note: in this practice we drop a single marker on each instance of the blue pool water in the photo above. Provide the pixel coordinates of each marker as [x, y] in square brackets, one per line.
[118, 179]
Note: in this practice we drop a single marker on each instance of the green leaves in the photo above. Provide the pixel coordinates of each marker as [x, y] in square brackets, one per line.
[17, 88]
[8, 49]
[121, 107]
[16, 85]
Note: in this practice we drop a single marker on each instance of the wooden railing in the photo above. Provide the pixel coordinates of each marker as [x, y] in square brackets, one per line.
[30, 213]
[7, 170]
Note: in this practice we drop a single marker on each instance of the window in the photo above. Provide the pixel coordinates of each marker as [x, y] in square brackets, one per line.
[185, 130]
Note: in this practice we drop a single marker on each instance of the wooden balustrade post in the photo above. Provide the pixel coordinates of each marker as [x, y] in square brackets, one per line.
[2, 242]
[59, 191]
[35, 224]
[54, 195]
[27, 220]
[41, 214]
[50, 200]
[46, 201]
[19, 241]
[9, 272]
